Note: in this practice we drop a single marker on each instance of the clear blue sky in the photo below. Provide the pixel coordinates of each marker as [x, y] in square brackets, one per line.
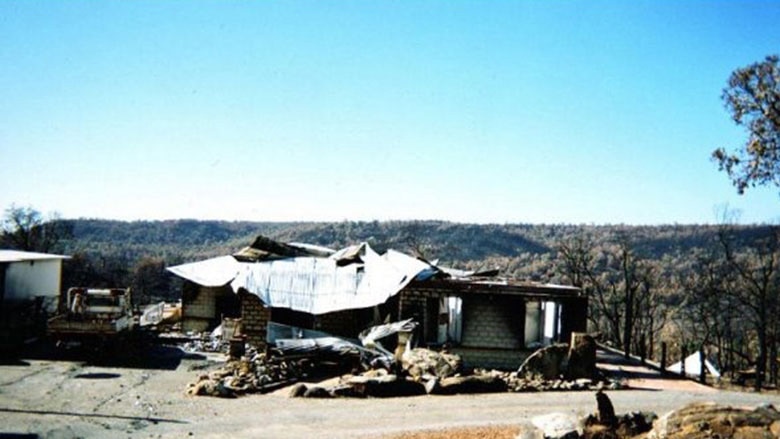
[541, 112]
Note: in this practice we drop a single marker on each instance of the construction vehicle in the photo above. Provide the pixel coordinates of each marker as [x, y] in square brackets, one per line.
[92, 316]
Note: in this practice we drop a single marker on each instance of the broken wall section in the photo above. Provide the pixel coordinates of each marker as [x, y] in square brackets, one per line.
[494, 322]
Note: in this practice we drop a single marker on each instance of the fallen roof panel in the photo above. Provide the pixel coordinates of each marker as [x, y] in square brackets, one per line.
[321, 285]
[214, 272]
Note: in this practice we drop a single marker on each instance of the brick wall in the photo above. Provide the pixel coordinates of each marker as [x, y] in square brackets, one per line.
[254, 319]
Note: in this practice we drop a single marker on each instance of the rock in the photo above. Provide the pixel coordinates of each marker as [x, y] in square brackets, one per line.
[316, 392]
[470, 384]
[548, 363]
[529, 432]
[348, 391]
[432, 386]
[558, 425]
[258, 375]
[420, 362]
[606, 412]
[635, 423]
[384, 386]
[707, 420]
[581, 357]
[584, 383]
[297, 390]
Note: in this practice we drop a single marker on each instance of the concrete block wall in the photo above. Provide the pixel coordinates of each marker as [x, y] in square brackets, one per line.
[492, 331]
[198, 307]
[346, 323]
[413, 303]
[502, 359]
[493, 321]
[254, 319]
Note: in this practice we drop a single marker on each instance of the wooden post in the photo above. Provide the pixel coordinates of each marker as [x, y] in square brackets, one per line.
[684, 355]
[702, 367]
[663, 357]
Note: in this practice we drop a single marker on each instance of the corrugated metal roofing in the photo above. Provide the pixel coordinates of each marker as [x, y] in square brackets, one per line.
[321, 285]
[315, 285]
[351, 278]
[214, 272]
[20, 256]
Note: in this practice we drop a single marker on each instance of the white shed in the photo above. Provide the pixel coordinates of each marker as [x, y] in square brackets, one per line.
[25, 275]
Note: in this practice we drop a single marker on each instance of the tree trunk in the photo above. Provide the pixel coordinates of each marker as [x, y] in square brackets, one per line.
[762, 357]
[773, 364]
[628, 322]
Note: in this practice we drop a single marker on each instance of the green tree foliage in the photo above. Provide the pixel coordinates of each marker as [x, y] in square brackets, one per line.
[753, 99]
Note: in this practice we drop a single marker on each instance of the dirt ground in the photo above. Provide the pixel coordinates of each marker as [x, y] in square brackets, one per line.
[44, 395]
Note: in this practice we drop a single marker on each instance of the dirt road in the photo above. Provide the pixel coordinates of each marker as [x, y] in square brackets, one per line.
[74, 397]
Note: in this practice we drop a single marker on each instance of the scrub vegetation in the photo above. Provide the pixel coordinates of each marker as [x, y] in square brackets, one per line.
[711, 287]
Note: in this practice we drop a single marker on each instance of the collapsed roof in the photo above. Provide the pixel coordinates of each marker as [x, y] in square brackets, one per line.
[318, 280]
[308, 278]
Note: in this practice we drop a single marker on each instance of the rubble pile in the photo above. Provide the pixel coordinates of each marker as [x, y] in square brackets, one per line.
[205, 343]
[517, 382]
[421, 371]
[374, 371]
[260, 374]
[440, 373]
[418, 373]
[561, 367]
[426, 364]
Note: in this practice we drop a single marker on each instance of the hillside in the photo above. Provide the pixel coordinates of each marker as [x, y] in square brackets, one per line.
[522, 250]
[686, 285]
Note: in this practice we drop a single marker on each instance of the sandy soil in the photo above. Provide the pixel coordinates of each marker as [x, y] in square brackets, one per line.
[66, 396]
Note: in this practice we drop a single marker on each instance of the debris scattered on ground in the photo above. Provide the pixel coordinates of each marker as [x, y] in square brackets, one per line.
[371, 370]
[260, 374]
[425, 364]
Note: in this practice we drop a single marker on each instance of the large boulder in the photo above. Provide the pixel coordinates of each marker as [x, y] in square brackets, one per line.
[380, 387]
[582, 357]
[422, 363]
[558, 425]
[547, 363]
[467, 384]
[708, 420]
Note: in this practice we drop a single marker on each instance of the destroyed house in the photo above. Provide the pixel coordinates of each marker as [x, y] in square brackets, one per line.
[493, 323]
[274, 287]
